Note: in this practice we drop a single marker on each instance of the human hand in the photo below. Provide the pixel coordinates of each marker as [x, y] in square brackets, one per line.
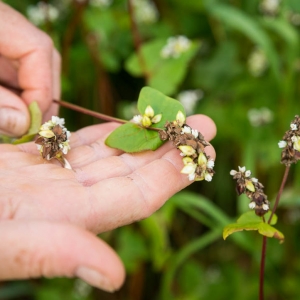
[49, 215]
[29, 62]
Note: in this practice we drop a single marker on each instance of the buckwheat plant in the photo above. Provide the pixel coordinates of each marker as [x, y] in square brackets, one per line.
[253, 189]
[53, 141]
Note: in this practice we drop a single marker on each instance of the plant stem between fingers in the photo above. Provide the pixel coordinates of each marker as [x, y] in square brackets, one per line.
[264, 242]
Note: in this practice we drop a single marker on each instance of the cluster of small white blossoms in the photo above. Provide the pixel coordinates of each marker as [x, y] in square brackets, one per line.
[148, 118]
[257, 62]
[53, 139]
[145, 11]
[197, 164]
[290, 143]
[189, 99]
[175, 47]
[100, 3]
[253, 189]
[260, 116]
[270, 7]
[42, 12]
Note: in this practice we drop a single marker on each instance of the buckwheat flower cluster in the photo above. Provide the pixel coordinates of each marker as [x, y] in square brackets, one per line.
[253, 189]
[53, 140]
[290, 143]
[197, 164]
[42, 12]
[148, 118]
[175, 47]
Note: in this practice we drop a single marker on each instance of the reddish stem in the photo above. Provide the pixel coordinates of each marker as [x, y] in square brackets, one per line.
[264, 242]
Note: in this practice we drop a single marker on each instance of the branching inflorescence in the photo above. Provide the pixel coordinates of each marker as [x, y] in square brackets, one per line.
[53, 141]
[253, 189]
[197, 164]
[290, 143]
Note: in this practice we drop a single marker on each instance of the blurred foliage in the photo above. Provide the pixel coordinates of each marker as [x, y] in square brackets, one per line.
[245, 60]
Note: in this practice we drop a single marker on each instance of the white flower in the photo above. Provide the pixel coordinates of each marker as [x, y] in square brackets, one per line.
[145, 11]
[252, 205]
[186, 129]
[42, 12]
[137, 119]
[270, 7]
[254, 179]
[189, 99]
[189, 169]
[248, 173]
[257, 62]
[58, 121]
[260, 116]
[100, 3]
[211, 164]
[294, 127]
[282, 144]
[265, 207]
[233, 172]
[242, 169]
[175, 47]
[208, 177]
[195, 133]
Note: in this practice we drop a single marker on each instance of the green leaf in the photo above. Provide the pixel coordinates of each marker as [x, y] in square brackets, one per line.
[35, 124]
[133, 138]
[164, 74]
[250, 221]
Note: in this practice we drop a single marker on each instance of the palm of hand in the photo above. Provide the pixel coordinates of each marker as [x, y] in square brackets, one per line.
[49, 214]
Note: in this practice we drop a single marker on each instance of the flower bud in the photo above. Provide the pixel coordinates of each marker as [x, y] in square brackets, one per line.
[296, 144]
[202, 160]
[187, 150]
[188, 169]
[47, 133]
[187, 160]
[249, 185]
[156, 119]
[180, 118]
[146, 122]
[282, 144]
[149, 112]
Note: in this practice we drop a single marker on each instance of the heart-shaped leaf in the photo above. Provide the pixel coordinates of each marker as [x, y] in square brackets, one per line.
[35, 123]
[134, 138]
[250, 221]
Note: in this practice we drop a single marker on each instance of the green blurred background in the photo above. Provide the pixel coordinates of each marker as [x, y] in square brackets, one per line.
[242, 70]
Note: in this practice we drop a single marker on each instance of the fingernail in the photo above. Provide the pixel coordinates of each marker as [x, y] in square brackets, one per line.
[95, 278]
[13, 122]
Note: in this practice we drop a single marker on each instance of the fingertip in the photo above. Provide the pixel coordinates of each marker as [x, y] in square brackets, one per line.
[203, 124]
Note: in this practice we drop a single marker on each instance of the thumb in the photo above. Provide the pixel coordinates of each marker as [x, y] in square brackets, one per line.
[35, 248]
[14, 114]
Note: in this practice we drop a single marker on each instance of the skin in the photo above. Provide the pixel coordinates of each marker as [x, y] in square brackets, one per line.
[28, 61]
[49, 215]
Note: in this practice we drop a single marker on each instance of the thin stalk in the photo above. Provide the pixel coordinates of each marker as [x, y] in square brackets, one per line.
[285, 176]
[89, 112]
[264, 242]
[262, 268]
[96, 114]
[137, 40]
